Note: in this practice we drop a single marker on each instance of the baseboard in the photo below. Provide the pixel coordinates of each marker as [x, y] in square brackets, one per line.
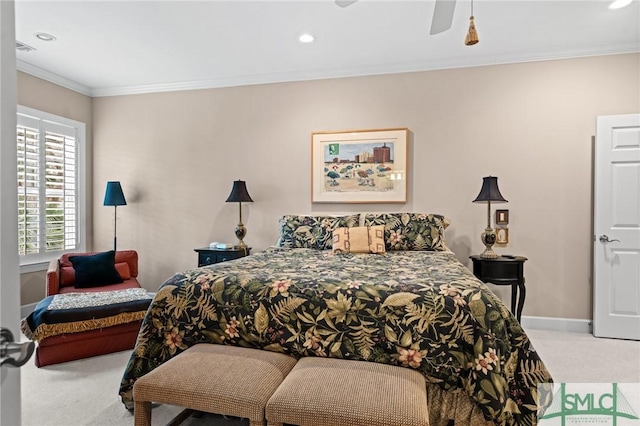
[557, 324]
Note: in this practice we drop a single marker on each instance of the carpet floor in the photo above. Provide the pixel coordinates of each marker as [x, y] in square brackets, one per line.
[85, 392]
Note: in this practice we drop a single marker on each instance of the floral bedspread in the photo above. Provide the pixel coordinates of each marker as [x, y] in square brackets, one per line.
[416, 309]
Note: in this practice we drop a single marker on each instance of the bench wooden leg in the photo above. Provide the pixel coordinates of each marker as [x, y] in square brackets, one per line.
[142, 413]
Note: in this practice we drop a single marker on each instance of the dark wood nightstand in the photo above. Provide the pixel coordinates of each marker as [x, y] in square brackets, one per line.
[209, 256]
[503, 270]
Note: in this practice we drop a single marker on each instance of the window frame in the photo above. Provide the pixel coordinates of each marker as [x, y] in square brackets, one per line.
[40, 261]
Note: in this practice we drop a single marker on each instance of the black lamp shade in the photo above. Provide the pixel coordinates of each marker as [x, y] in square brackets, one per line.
[239, 193]
[490, 191]
[114, 195]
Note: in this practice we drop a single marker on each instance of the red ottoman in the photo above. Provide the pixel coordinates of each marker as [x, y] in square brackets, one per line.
[73, 326]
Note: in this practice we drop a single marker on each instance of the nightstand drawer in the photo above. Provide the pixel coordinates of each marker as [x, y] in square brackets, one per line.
[207, 256]
[223, 257]
[500, 271]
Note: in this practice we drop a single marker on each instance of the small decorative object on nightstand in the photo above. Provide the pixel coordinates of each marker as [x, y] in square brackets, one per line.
[504, 270]
[488, 193]
[209, 255]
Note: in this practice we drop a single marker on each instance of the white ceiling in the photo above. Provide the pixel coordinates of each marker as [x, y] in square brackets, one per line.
[119, 47]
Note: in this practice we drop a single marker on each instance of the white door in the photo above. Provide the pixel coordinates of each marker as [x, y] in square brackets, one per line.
[616, 274]
[9, 275]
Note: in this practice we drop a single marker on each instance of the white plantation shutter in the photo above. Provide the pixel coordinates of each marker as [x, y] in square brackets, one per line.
[28, 191]
[50, 186]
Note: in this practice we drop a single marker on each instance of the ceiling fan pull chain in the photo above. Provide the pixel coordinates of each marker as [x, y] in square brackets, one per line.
[472, 34]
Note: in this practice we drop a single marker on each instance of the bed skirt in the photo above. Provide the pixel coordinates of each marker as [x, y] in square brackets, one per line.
[455, 405]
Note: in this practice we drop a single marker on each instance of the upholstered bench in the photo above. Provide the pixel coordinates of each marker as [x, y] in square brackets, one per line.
[330, 392]
[214, 378]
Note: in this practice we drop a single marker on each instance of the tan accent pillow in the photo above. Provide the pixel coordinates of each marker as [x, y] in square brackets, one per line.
[361, 239]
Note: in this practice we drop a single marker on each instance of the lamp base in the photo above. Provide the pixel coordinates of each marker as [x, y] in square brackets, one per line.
[488, 238]
[241, 231]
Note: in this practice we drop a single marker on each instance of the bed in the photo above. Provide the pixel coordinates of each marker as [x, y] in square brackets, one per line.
[410, 307]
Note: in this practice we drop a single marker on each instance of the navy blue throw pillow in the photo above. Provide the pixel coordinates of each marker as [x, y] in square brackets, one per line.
[95, 270]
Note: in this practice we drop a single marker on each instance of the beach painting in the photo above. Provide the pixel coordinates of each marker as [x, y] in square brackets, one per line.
[366, 166]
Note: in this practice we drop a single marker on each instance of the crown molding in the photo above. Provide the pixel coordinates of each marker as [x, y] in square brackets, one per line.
[448, 63]
[294, 76]
[52, 78]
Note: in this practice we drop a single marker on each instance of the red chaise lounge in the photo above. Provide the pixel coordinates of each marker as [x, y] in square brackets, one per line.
[68, 346]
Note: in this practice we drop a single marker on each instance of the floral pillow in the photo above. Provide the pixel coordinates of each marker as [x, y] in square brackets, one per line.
[314, 232]
[410, 231]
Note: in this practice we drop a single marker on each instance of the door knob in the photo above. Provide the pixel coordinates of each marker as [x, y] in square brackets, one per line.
[9, 346]
[605, 239]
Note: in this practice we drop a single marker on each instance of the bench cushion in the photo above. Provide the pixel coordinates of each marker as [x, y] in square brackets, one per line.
[329, 392]
[218, 379]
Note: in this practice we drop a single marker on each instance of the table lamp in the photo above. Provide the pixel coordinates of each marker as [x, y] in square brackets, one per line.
[114, 196]
[488, 193]
[239, 194]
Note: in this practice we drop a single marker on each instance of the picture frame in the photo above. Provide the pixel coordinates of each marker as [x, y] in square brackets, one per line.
[502, 217]
[359, 166]
[502, 236]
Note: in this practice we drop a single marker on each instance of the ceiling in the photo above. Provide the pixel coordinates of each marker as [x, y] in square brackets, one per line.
[109, 47]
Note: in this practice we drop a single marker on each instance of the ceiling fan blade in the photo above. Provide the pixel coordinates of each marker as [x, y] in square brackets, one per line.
[442, 16]
[345, 3]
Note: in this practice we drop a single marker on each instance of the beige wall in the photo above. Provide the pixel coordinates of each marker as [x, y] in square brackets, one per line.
[532, 125]
[44, 96]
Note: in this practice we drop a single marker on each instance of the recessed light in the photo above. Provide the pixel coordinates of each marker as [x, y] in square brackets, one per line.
[45, 37]
[306, 38]
[619, 4]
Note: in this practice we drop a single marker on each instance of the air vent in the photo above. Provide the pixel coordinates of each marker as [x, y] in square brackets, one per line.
[21, 47]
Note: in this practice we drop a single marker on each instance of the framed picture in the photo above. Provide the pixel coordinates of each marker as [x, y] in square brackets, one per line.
[359, 166]
[502, 235]
[502, 217]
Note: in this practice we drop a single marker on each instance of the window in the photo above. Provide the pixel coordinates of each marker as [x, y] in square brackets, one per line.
[50, 186]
